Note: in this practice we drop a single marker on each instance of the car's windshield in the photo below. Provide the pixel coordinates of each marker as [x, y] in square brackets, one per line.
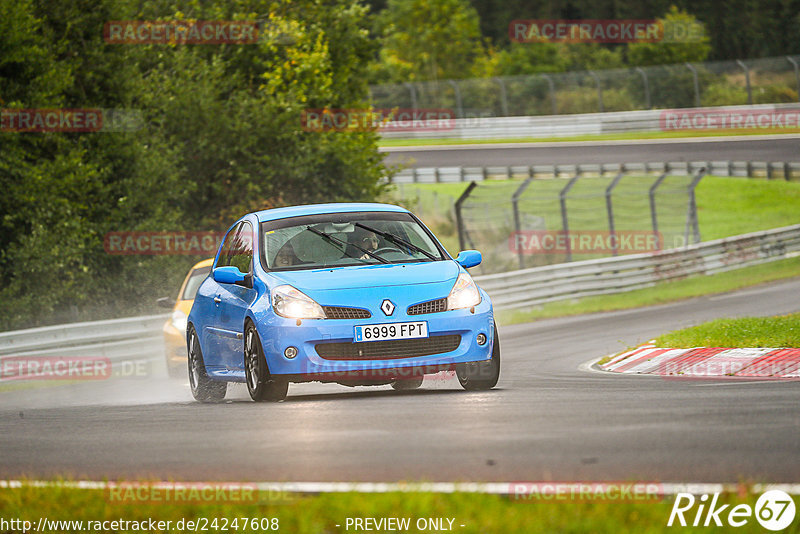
[195, 279]
[343, 239]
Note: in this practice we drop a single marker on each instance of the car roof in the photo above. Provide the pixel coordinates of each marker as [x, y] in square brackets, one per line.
[316, 209]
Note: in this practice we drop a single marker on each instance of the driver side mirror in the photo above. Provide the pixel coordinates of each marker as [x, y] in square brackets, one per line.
[469, 258]
[228, 275]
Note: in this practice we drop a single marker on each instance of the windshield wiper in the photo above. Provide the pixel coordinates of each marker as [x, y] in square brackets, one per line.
[395, 239]
[330, 239]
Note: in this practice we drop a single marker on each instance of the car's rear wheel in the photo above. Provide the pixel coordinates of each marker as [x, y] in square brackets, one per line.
[405, 384]
[203, 388]
[260, 384]
[481, 375]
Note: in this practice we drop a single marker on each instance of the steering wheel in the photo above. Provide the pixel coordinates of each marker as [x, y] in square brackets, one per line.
[381, 250]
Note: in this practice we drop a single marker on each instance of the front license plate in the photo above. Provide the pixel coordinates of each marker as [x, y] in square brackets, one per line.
[381, 332]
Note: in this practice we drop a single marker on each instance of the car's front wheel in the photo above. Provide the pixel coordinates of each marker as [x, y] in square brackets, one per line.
[260, 384]
[203, 388]
[481, 375]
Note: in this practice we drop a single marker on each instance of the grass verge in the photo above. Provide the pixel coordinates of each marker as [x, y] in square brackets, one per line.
[676, 290]
[597, 137]
[322, 513]
[725, 206]
[777, 332]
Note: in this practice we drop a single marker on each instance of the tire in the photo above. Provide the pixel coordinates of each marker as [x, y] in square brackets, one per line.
[479, 376]
[204, 389]
[260, 384]
[406, 384]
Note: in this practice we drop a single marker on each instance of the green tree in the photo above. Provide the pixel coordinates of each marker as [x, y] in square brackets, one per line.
[427, 40]
[221, 136]
[663, 53]
[529, 58]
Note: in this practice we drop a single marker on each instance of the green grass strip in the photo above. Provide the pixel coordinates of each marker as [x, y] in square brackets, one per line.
[777, 332]
[322, 513]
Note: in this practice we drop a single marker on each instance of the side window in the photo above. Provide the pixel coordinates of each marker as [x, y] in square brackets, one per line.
[227, 246]
[241, 253]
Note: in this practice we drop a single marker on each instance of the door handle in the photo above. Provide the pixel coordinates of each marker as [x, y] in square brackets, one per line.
[217, 300]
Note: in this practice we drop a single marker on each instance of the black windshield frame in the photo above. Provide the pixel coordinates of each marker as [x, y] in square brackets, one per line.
[342, 217]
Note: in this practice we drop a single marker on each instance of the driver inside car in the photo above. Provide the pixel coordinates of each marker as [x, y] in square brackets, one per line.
[366, 240]
[286, 257]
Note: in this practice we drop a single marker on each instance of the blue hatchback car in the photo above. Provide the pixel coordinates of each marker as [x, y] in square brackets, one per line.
[357, 294]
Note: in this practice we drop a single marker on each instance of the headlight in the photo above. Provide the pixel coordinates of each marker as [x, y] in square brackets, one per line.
[464, 293]
[294, 304]
[179, 320]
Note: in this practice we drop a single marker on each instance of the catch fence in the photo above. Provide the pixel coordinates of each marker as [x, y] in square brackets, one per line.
[686, 85]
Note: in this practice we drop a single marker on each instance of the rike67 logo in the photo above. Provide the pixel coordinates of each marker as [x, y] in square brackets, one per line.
[774, 510]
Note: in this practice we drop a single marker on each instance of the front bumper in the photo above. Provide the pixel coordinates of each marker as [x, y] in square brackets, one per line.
[278, 333]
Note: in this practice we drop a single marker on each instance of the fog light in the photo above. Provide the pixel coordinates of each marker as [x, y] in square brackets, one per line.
[481, 339]
[290, 352]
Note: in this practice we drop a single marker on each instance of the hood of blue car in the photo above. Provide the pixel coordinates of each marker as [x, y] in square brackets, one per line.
[366, 276]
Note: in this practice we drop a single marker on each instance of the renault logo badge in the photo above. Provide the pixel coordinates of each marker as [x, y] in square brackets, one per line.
[387, 307]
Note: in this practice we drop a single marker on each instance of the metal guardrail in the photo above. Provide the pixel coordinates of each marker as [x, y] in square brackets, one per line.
[567, 125]
[538, 285]
[119, 340]
[772, 170]
[135, 338]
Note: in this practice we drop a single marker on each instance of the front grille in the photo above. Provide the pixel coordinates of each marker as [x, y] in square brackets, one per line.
[432, 306]
[389, 350]
[339, 312]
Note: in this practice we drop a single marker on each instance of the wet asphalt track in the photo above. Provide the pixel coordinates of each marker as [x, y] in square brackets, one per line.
[547, 419]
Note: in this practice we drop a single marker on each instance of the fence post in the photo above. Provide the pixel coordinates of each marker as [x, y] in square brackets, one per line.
[796, 74]
[459, 106]
[646, 82]
[696, 84]
[517, 224]
[552, 92]
[594, 75]
[691, 216]
[653, 216]
[609, 190]
[459, 218]
[746, 81]
[503, 96]
[562, 198]
[413, 92]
